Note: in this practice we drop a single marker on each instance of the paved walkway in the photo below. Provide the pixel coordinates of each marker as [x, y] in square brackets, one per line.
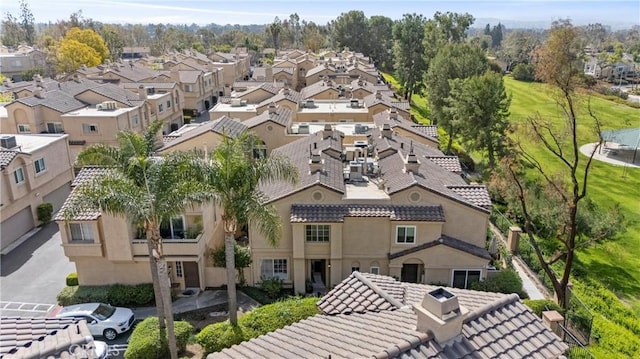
[612, 154]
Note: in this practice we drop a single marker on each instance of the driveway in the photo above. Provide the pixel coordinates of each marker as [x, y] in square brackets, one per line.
[32, 275]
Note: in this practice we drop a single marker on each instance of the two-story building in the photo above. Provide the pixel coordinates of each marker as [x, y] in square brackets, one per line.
[36, 169]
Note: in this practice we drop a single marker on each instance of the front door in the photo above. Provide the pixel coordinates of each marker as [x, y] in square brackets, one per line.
[318, 271]
[409, 273]
[191, 275]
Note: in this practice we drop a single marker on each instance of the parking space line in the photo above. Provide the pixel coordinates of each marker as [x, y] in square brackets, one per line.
[27, 307]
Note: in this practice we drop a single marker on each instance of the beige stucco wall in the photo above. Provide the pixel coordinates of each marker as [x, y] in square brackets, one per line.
[314, 116]
[462, 222]
[274, 135]
[100, 271]
[255, 96]
[208, 140]
[36, 117]
[328, 94]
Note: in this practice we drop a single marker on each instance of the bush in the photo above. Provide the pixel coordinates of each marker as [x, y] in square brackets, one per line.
[524, 72]
[258, 294]
[540, 305]
[72, 279]
[272, 286]
[145, 341]
[265, 319]
[118, 295]
[505, 281]
[45, 212]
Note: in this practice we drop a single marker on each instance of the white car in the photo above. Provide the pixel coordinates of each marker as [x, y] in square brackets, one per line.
[102, 319]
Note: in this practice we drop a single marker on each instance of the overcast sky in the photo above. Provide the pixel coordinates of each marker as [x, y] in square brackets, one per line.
[616, 13]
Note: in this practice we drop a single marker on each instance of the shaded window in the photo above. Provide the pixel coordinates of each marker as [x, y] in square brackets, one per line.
[405, 234]
[464, 278]
[39, 165]
[274, 268]
[18, 175]
[81, 232]
[173, 228]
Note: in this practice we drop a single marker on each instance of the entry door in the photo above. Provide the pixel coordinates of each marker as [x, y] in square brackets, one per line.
[409, 273]
[191, 275]
[318, 270]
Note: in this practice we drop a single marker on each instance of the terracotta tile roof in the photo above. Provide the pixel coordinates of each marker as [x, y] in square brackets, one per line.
[447, 241]
[427, 131]
[289, 70]
[337, 212]
[6, 156]
[370, 322]
[476, 194]
[232, 127]
[117, 93]
[283, 94]
[315, 89]
[15, 332]
[87, 173]
[282, 116]
[450, 163]
[56, 100]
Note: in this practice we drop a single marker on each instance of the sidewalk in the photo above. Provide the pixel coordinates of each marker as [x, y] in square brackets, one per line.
[204, 299]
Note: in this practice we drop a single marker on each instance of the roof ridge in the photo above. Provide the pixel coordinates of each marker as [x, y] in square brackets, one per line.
[378, 290]
[490, 307]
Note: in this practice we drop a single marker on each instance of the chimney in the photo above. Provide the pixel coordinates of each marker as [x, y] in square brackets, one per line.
[38, 79]
[39, 92]
[393, 114]
[411, 163]
[286, 91]
[441, 314]
[327, 131]
[175, 74]
[142, 92]
[316, 163]
[268, 73]
[272, 108]
[360, 83]
[378, 95]
[386, 131]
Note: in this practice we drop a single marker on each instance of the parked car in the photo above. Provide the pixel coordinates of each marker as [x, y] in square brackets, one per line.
[102, 319]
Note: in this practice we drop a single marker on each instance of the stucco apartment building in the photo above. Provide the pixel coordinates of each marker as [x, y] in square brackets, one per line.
[36, 169]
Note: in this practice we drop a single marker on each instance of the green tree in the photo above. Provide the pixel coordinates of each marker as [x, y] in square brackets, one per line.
[351, 29]
[146, 190]
[455, 60]
[275, 30]
[408, 50]
[235, 177]
[113, 41]
[11, 31]
[380, 50]
[27, 22]
[559, 65]
[480, 105]
[444, 28]
[517, 47]
[312, 37]
[241, 258]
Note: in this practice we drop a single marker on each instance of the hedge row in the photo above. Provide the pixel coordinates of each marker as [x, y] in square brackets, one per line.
[265, 319]
[145, 343]
[118, 295]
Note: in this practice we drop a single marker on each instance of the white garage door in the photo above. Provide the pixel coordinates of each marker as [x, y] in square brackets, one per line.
[14, 227]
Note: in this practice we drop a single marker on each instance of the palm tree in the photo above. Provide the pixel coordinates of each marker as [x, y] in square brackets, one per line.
[235, 178]
[146, 190]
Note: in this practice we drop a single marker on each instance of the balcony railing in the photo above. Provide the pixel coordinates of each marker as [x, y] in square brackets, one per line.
[172, 247]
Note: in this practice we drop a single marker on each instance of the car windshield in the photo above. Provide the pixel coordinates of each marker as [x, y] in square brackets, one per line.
[104, 311]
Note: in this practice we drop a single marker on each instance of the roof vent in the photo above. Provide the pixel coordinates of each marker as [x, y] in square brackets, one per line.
[393, 113]
[272, 108]
[386, 131]
[316, 163]
[441, 314]
[327, 131]
[8, 142]
[411, 163]
[378, 95]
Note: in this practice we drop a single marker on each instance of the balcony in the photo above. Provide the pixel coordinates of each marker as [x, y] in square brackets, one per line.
[82, 249]
[172, 247]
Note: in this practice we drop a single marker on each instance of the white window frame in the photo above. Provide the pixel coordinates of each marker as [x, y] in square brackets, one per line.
[264, 264]
[136, 120]
[89, 128]
[57, 127]
[24, 128]
[466, 278]
[179, 272]
[374, 270]
[86, 233]
[39, 165]
[405, 234]
[316, 238]
[18, 179]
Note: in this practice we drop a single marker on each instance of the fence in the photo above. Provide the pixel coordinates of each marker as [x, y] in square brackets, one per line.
[576, 349]
[578, 319]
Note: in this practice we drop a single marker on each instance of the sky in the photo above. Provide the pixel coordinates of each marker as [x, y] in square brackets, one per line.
[537, 13]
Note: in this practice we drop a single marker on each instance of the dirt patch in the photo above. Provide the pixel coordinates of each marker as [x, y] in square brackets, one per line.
[194, 351]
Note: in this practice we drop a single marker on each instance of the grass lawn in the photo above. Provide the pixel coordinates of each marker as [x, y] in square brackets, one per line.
[615, 264]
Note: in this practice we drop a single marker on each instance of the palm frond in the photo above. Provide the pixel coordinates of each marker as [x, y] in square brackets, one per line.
[99, 155]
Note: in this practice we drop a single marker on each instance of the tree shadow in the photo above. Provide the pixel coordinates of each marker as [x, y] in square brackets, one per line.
[15, 259]
[614, 278]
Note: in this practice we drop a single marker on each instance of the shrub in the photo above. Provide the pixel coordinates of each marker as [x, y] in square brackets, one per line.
[72, 279]
[118, 295]
[145, 340]
[45, 212]
[540, 305]
[258, 294]
[524, 72]
[505, 281]
[265, 319]
[272, 286]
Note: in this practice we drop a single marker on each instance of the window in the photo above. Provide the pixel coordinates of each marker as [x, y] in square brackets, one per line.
[136, 120]
[187, 88]
[39, 165]
[317, 232]
[18, 175]
[160, 108]
[24, 129]
[173, 229]
[81, 232]
[274, 268]
[355, 269]
[464, 278]
[179, 269]
[405, 234]
[374, 270]
[169, 104]
[89, 128]
[54, 127]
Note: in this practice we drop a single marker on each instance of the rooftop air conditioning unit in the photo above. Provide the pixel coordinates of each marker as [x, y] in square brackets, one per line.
[310, 104]
[303, 128]
[355, 171]
[236, 102]
[361, 144]
[8, 142]
[108, 105]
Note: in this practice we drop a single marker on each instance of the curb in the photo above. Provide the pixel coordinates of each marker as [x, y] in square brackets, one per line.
[13, 245]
